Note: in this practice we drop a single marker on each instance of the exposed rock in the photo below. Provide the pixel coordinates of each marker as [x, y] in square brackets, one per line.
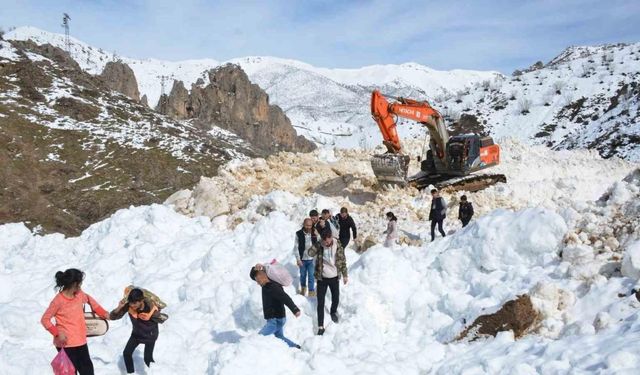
[468, 124]
[144, 100]
[516, 315]
[69, 161]
[119, 77]
[175, 104]
[232, 102]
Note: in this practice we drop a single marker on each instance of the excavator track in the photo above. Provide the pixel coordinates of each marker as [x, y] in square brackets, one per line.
[471, 183]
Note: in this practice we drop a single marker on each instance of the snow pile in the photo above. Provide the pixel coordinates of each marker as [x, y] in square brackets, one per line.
[558, 179]
[400, 312]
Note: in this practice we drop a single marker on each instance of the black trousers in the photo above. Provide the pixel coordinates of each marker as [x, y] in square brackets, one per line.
[344, 241]
[334, 285]
[465, 222]
[132, 344]
[433, 228]
[79, 356]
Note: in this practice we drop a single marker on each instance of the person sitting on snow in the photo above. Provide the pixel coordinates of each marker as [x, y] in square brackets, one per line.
[465, 211]
[273, 300]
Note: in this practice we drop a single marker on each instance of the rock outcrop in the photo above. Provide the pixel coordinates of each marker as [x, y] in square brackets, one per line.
[232, 102]
[119, 77]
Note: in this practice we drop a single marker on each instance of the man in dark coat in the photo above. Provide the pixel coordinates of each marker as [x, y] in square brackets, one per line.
[465, 211]
[437, 214]
[274, 299]
[347, 225]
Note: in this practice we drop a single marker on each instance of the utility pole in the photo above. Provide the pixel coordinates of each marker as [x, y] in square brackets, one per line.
[163, 81]
[65, 24]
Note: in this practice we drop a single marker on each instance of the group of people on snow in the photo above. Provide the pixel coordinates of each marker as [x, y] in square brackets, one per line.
[70, 329]
[319, 250]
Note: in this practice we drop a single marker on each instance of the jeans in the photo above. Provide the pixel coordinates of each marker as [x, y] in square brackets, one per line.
[306, 270]
[128, 353]
[275, 326]
[79, 356]
[433, 228]
[334, 285]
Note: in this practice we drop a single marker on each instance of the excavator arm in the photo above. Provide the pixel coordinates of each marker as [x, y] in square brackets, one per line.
[448, 159]
[385, 114]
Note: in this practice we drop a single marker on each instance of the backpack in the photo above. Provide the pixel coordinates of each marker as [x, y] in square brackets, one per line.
[278, 273]
[147, 294]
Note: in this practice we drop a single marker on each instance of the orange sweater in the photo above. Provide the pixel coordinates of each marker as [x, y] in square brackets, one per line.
[69, 316]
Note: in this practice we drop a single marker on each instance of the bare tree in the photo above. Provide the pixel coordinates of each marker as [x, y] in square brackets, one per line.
[524, 105]
[558, 86]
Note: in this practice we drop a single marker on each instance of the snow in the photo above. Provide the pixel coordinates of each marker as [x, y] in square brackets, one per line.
[631, 261]
[401, 310]
[7, 51]
[331, 106]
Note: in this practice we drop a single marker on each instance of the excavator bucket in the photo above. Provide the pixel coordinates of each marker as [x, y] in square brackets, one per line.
[391, 169]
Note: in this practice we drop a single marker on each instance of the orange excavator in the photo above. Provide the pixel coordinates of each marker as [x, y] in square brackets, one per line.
[448, 161]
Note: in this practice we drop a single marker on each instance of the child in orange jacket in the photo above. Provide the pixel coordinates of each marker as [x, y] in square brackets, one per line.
[70, 330]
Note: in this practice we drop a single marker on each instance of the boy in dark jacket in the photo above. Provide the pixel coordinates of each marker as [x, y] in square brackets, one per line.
[273, 300]
[465, 211]
[437, 214]
[145, 316]
[346, 223]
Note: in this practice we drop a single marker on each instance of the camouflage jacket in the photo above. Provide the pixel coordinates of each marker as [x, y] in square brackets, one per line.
[317, 251]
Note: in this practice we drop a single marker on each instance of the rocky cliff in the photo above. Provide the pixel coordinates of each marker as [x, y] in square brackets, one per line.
[72, 152]
[232, 102]
[119, 77]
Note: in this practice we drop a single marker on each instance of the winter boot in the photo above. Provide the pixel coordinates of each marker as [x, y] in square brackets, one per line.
[312, 293]
[320, 331]
[303, 290]
[334, 317]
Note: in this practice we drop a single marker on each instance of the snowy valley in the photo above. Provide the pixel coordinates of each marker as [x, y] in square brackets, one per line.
[562, 233]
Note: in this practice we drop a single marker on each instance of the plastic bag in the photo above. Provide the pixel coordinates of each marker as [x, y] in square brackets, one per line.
[62, 364]
[278, 273]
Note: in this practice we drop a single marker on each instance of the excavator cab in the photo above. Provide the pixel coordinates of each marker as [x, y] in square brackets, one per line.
[463, 152]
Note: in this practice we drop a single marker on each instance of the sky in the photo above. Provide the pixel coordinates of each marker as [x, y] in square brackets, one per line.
[480, 35]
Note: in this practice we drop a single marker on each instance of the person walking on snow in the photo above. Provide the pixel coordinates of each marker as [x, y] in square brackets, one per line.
[331, 264]
[70, 330]
[305, 238]
[273, 300]
[465, 211]
[315, 220]
[392, 230]
[437, 214]
[346, 223]
[145, 316]
[328, 224]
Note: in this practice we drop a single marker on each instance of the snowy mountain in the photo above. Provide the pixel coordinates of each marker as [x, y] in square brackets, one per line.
[329, 106]
[586, 97]
[72, 151]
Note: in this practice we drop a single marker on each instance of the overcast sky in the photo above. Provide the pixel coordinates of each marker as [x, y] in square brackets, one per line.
[474, 34]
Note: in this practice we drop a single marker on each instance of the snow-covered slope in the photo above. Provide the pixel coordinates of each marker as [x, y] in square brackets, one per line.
[586, 97]
[401, 310]
[329, 106]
